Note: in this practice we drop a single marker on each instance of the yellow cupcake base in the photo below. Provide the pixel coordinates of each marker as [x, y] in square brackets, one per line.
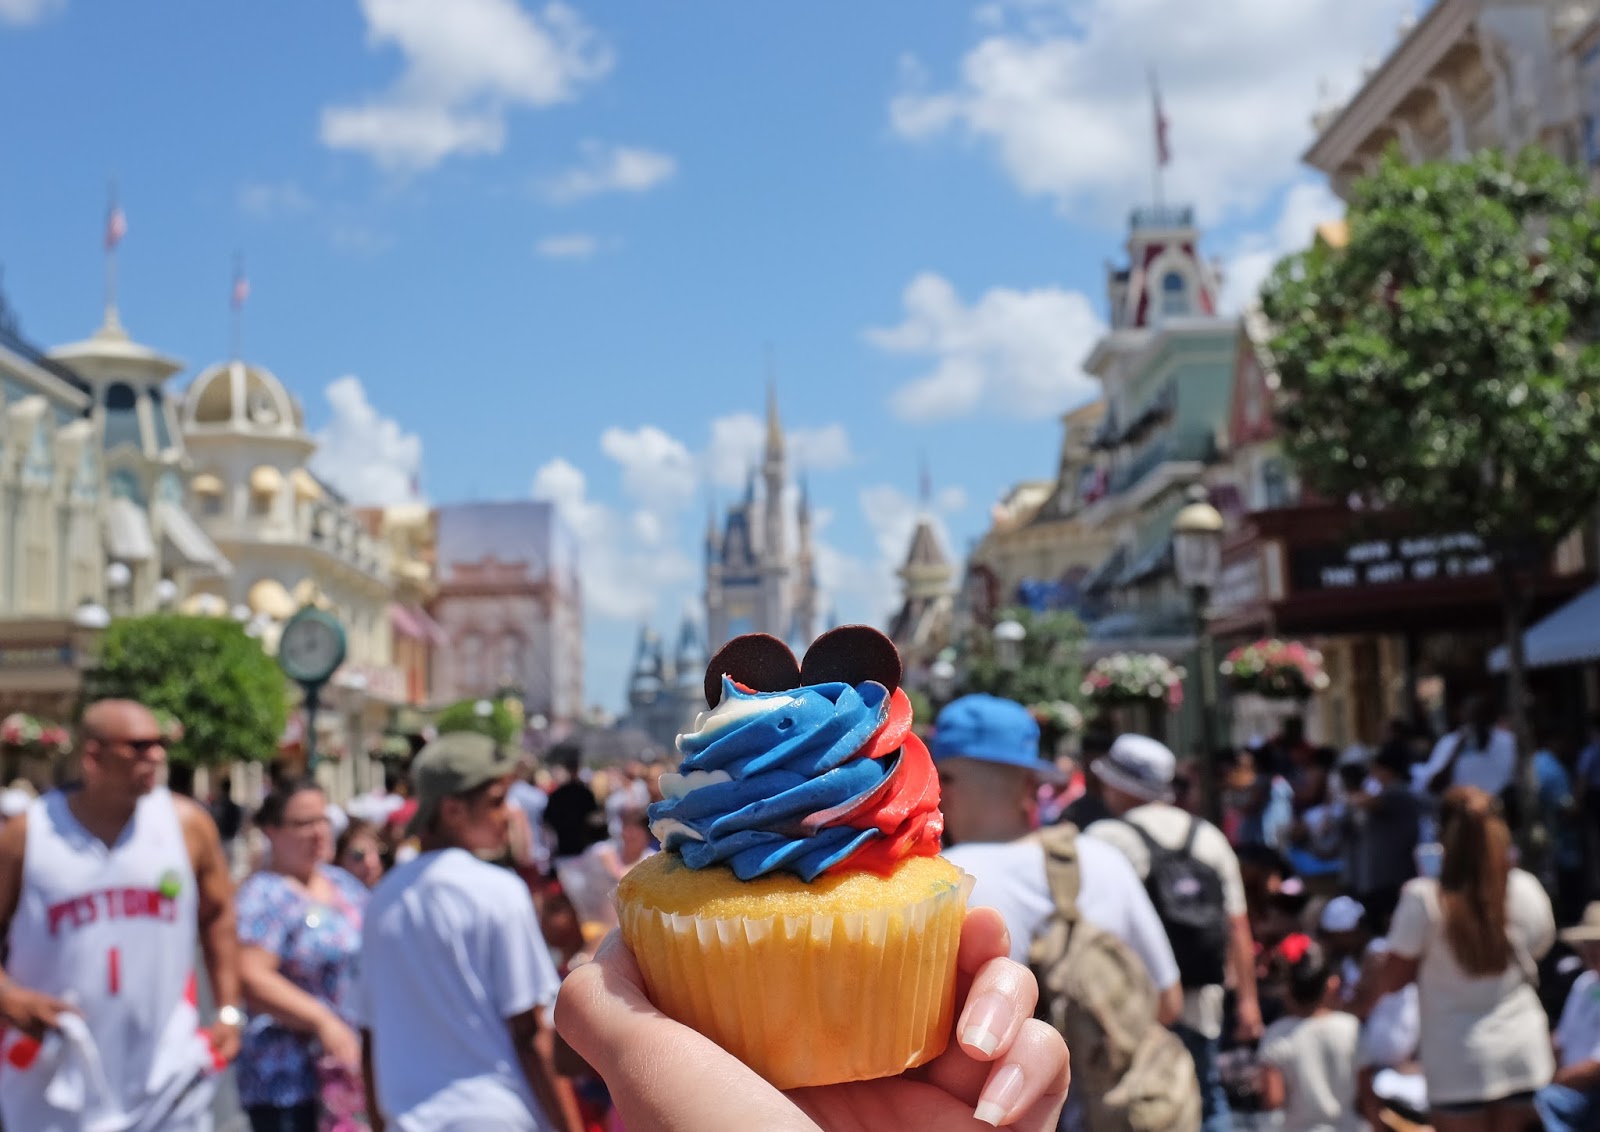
[847, 978]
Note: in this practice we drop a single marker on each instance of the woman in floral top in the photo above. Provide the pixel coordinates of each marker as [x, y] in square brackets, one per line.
[300, 926]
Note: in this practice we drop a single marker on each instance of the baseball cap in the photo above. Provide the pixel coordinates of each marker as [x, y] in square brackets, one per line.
[455, 763]
[991, 730]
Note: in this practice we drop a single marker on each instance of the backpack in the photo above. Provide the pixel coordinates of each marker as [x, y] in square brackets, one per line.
[1130, 1072]
[1187, 894]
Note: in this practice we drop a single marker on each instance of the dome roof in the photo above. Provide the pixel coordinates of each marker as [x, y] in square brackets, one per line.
[238, 395]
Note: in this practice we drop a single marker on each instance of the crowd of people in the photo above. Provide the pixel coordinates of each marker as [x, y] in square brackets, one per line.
[1353, 944]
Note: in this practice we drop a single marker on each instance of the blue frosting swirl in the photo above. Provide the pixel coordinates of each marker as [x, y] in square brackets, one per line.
[791, 771]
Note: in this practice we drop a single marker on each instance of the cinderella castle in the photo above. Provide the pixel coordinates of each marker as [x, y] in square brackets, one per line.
[754, 583]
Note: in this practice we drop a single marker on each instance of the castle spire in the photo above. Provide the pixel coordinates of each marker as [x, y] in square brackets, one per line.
[774, 425]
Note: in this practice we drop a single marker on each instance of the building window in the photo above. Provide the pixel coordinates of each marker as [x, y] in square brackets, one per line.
[1174, 293]
[1274, 484]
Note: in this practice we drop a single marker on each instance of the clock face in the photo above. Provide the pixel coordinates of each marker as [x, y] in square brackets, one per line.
[311, 647]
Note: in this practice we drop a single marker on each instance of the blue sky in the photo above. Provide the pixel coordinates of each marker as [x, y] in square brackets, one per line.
[524, 247]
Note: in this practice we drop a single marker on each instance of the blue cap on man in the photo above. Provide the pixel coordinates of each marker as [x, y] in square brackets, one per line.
[991, 730]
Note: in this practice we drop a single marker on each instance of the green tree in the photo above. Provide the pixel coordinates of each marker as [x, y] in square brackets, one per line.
[229, 695]
[499, 723]
[1052, 659]
[1444, 363]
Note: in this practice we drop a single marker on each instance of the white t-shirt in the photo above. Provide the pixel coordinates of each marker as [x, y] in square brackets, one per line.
[1317, 1057]
[1490, 769]
[1394, 1024]
[1011, 878]
[1169, 826]
[450, 950]
[1483, 1037]
[1578, 1033]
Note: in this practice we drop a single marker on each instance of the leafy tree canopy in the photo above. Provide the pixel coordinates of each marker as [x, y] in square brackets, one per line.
[500, 723]
[1444, 360]
[1052, 659]
[229, 695]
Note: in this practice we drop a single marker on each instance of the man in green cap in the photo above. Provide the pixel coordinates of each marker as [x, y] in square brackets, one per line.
[456, 983]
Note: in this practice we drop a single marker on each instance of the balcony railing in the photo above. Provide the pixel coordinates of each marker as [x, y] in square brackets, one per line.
[1190, 445]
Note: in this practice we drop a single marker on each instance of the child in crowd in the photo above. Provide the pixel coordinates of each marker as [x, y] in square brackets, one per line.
[1308, 1057]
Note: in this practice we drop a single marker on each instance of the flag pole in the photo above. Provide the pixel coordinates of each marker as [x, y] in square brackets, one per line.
[236, 301]
[1159, 149]
[112, 238]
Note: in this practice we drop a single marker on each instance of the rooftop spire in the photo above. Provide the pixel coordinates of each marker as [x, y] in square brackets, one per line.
[116, 228]
[774, 425]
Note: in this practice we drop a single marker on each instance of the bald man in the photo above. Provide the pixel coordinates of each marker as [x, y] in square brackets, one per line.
[105, 888]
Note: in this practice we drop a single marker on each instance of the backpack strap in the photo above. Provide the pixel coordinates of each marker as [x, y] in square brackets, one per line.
[1188, 842]
[1061, 871]
[1151, 845]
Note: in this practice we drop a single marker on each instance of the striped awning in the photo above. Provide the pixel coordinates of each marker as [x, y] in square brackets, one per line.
[128, 532]
[1570, 635]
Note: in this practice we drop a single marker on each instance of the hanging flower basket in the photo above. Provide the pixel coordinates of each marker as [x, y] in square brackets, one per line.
[1134, 678]
[1058, 720]
[1275, 670]
[23, 733]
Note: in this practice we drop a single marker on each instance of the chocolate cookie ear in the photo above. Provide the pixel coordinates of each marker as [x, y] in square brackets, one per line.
[760, 662]
[852, 654]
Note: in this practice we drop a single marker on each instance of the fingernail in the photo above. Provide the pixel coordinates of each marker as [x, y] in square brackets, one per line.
[999, 1096]
[983, 1022]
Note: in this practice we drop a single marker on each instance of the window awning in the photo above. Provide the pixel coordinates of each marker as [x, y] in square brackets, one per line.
[1104, 575]
[206, 484]
[128, 532]
[266, 480]
[411, 622]
[1570, 635]
[268, 597]
[193, 545]
[305, 485]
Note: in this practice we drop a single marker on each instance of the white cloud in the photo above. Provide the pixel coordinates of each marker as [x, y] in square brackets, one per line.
[1305, 205]
[657, 468]
[572, 245]
[611, 169]
[364, 454]
[739, 440]
[467, 64]
[1014, 352]
[269, 200]
[23, 12]
[628, 562]
[1059, 89]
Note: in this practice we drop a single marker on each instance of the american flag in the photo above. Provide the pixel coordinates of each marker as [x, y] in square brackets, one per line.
[116, 226]
[241, 285]
[1163, 145]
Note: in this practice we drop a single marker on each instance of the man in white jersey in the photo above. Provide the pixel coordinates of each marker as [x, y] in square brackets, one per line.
[456, 985]
[104, 889]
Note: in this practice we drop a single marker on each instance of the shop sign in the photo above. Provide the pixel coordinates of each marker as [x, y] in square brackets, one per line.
[1241, 584]
[1384, 562]
[37, 656]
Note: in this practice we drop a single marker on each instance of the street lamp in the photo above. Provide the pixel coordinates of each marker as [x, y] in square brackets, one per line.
[119, 576]
[1008, 638]
[166, 593]
[1197, 560]
[90, 614]
[941, 680]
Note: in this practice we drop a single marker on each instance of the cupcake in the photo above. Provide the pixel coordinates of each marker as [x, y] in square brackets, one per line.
[799, 914]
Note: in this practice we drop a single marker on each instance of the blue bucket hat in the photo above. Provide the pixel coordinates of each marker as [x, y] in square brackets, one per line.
[991, 730]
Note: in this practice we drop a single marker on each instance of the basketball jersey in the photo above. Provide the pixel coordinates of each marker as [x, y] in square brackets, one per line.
[112, 930]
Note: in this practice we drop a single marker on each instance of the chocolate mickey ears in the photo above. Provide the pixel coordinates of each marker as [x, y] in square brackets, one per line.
[851, 654]
[760, 662]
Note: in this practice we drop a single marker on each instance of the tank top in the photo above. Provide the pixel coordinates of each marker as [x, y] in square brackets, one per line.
[112, 930]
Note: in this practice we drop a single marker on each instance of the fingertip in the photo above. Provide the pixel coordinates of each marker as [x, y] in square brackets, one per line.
[984, 936]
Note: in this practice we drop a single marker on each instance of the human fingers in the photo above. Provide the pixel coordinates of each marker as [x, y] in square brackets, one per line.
[662, 1075]
[1002, 997]
[983, 937]
[1028, 1085]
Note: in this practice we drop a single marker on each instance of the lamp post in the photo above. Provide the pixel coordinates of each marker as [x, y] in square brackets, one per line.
[1197, 559]
[119, 576]
[1008, 638]
[941, 681]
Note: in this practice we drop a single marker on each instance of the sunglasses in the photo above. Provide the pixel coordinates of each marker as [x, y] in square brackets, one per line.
[137, 746]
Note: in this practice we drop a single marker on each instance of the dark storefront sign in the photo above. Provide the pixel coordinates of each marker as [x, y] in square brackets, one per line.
[1388, 561]
[37, 656]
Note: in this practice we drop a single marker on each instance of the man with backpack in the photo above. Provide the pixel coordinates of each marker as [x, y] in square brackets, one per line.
[1192, 876]
[1076, 914]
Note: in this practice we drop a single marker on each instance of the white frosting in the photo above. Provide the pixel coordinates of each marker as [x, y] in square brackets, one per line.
[678, 785]
[666, 827]
[732, 710]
